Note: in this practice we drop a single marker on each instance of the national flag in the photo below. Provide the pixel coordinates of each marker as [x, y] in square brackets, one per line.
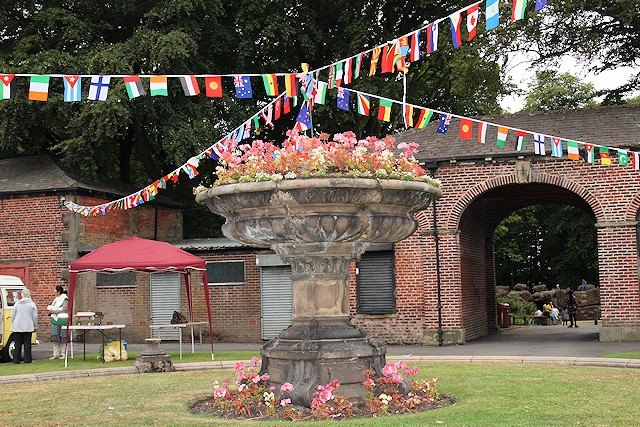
[267, 115]
[432, 37]
[72, 88]
[158, 86]
[521, 137]
[492, 14]
[99, 88]
[444, 123]
[190, 86]
[635, 160]
[246, 133]
[605, 157]
[191, 167]
[556, 147]
[375, 56]
[339, 75]
[408, 115]
[303, 120]
[518, 9]
[39, 88]
[404, 45]
[472, 20]
[384, 110]
[348, 71]
[256, 124]
[502, 136]
[331, 78]
[270, 84]
[572, 150]
[423, 118]
[291, 85]
[623, 158]
[540, 4]
[589, 148]
[358, 65]
[415, 46]
[7, 90]
[466, 128]
[321, 93]
[364, 104]
[134, 86]
[482, 132]
[286, 104]
[243, 86]
[277, 108]
[456, 37]
[343, 99]
[388, 55]
[539, 144]
[213, 86]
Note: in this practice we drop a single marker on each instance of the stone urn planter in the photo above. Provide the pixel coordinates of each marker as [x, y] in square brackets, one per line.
[319, 226]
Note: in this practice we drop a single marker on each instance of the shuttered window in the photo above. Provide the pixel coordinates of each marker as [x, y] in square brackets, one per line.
[375, 283]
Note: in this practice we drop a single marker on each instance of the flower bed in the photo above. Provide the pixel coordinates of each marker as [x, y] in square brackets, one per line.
[255, 399]
[320, 157]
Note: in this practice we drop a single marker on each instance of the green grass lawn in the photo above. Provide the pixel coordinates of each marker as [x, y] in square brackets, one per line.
[491, 394]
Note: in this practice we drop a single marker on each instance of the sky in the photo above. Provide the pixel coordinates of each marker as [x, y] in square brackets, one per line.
[522, 75]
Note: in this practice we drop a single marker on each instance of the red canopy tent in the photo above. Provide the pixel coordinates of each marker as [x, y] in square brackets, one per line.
[148, 256]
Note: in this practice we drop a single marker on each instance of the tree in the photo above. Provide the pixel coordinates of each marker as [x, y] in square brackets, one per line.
[550, 90]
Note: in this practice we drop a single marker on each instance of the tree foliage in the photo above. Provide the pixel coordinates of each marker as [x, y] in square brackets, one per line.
[546, 244]
[551, 90]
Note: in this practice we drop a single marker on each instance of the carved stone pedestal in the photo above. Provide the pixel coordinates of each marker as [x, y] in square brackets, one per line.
[153, 358]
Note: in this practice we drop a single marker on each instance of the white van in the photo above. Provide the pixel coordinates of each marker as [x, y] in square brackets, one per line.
[10, 287]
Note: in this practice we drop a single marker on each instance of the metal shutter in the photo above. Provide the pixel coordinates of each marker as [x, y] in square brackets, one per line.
[165, 299]
[276, 300]
[375, 283]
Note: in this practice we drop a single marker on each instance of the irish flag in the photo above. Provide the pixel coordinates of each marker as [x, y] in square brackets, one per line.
[502, 136]
[572, 150]
[39, 88]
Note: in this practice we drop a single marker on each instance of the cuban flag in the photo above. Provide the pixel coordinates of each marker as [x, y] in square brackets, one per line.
[72, 88]
[556, 147]
[455, 20]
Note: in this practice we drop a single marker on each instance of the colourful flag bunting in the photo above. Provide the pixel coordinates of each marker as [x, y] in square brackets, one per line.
[572, 150]
[605, 157]
[343, 99]
[521, 137]
[39, 88]
[331, 78]
[540, 4]
[191, 167]
[321, 93]
[456, 36]
[270, 84]
[358, 65]
[492, 14]
[423, 118]
[243, 86]
[339, 73]
[375, 56]
[432, 37]
[303, 120]
[589, 148]
[190, 86]
[408, 115]
[415, 46]
[539, 144]
[556, 147]
[472, 21]
[623, 158]
[246, 133]
[267, 115]
[158, 86]
[286, 104]
[363, 104]
[466, 128]
[403, 42]
[213, 86]
[277, 108]
[72, 88]
[256, 124]
[518, 9]
[444, 123]
[348, 71]
[384, 110]
[482, 132]
[502, 136]
[635, 160]
[7, 89]
[134, 86]
[291, 85]
[387, 58]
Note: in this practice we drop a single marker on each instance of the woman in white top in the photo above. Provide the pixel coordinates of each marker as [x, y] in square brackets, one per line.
[58, 312]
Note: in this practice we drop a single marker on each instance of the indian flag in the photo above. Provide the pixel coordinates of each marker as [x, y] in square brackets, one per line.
[270, 84]
[572, 150]
[158, 86]
[423, 119]
[39, 88]
[363, 104]
[502, 136]
[518, 9]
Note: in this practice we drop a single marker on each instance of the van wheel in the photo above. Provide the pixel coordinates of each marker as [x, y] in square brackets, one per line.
[6, 354]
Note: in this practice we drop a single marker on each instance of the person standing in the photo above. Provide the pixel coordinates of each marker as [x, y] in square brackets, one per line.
[24, 318]
[58, 310]
[571, 305]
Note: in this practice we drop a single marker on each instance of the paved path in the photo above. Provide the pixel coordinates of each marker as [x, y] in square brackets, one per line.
[553, 344]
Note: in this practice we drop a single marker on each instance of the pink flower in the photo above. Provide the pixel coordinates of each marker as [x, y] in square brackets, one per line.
[369, 383]
[284, 402]
[396, 378]
[389, 370]
[219, 393]
[255, 379]
[238, 366]
[265, 377]
[286, 387]
[254, 360]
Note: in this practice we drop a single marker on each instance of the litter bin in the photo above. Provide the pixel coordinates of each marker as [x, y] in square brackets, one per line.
[504, 320]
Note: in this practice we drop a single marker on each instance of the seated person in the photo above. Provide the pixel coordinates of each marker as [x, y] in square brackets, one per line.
[548, 311]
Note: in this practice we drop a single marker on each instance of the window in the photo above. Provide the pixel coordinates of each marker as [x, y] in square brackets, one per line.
[225, 272]
[375, 283]
[109, 280]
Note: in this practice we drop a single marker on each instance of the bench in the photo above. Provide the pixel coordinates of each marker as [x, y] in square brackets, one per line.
[541, 320]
